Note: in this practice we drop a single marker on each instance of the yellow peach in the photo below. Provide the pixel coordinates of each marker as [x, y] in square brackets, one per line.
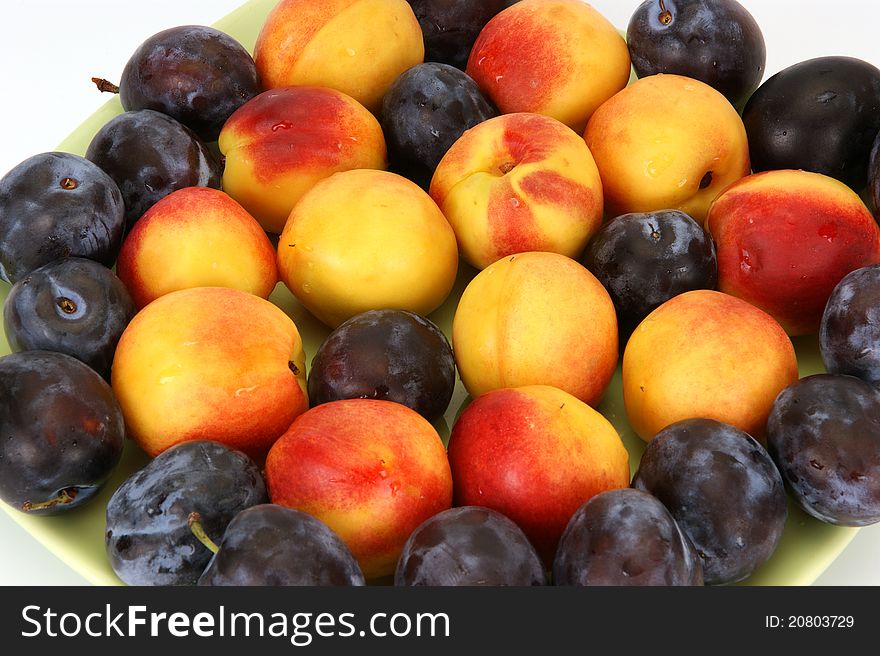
[366, 240]
[518, 183]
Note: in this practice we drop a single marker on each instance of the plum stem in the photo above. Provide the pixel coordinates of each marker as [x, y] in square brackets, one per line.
[665, 14]
[105, 85]
[67, 495]
[194, 521]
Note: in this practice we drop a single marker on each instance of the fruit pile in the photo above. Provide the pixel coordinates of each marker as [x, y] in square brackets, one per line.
[277, 277]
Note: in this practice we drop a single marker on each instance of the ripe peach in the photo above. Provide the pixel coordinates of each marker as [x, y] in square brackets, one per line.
[371, 470]
[196, 237]
[517, 183]
[705, 354]
[281, 142]
[786, 238]
[535, 454]
[356, 46]
[367, 240]
[667, 142]
[561, 58]
[536, 319]
[210, 363]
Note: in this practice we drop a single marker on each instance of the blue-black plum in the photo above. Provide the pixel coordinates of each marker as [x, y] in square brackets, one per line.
[824, 434]
[272, 545]
[723, 490]
[61, 432]
[469, 546]
[819, 115]
[74, 306]
[715, 41]
[148, 538]
[149, 154]
[53, 205]
[625, 537]
[197, 75]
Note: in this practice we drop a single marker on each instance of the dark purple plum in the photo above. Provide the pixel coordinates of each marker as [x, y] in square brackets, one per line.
[715, 41]
[271, 545]
[469, 546]
[62, 432]
[644, 259]
[426, 110]
[73, 306]
[873, 190]
[450, 27]
[197, 75]
[849, 334]
[820, 115]
[148, 538]
[625, 537]
[394, 355]
[723, 490]
[53, 205]
[149, 155]
[824, 435]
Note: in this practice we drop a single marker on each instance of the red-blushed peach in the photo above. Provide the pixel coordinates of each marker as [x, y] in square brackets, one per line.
[705, 354]
[281, 142]
[210, 363]
[536, 319]
[356, 46]
[196, 237]
[367, 240]
[518, 183]
[371, 470]
[786, 238]
[561, 58]
[535, 454]
[667, 142]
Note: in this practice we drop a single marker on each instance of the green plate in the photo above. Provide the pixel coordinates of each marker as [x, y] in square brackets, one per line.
[807, 548]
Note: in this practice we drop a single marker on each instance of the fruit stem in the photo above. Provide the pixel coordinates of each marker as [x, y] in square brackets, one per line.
[67, 495]
[105, 85]
[665, 14]
[194, 521]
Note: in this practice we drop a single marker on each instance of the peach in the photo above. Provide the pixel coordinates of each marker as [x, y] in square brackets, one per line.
[667, 142]
[536, 319]
[561, 58]
[281, 142]
[196, 237]
[371, 470]
[786, 238]
[210, 363]
[367, 240]
[517, 183]
[705, 354]
[358, 47]
[534, 454]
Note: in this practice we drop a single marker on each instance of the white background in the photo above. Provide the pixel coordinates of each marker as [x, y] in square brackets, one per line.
[49, 49]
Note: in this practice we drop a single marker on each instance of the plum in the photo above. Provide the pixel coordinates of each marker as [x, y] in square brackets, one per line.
[269, 544]
[62, 431]
[819, 115]
[715, 41]
[426, 110]
[394, 355]
[450, 27]
[149, 155]
[850, 329]
[74, 306]
[644, 259]
[824, 435]
[469, 546]
[723, 490]
[148, 538]
[197, 75]
[625, 537]
[57, 204]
